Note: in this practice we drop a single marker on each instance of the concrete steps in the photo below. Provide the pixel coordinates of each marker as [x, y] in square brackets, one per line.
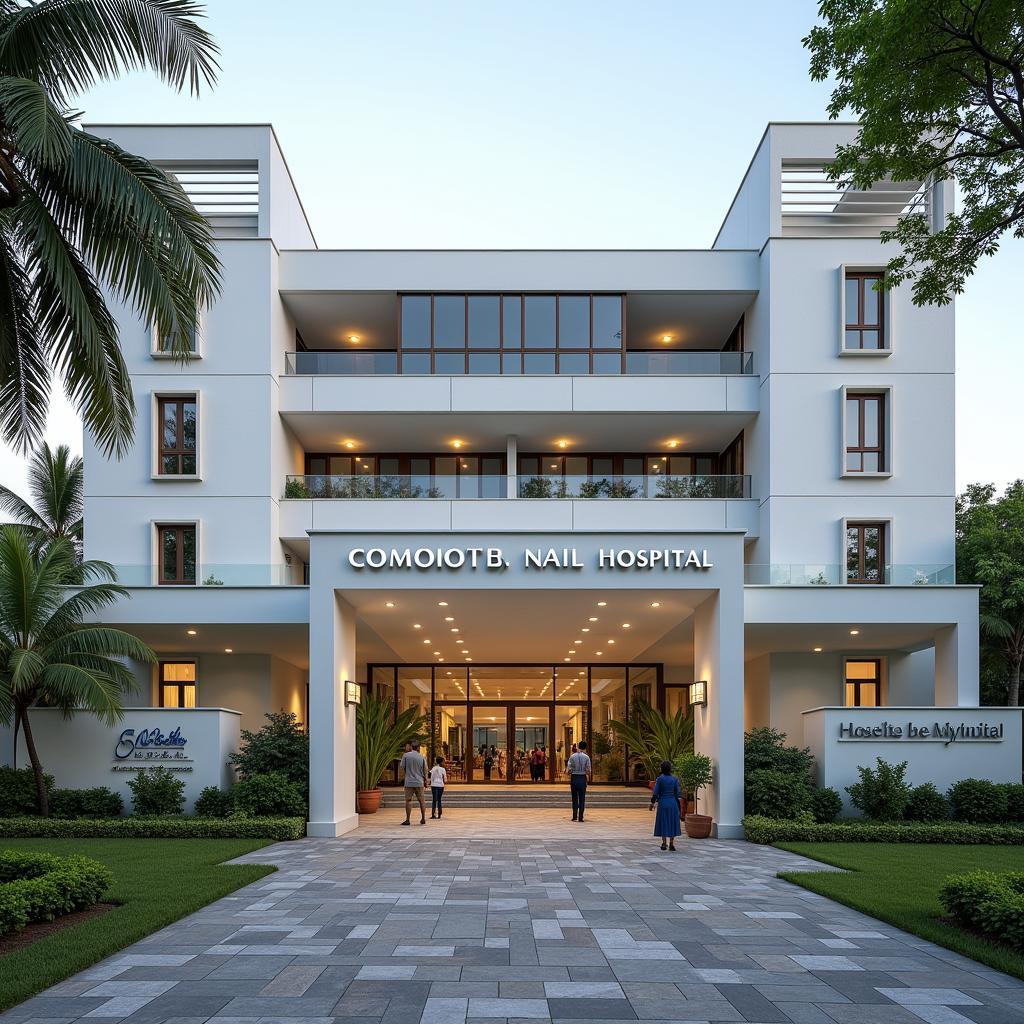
[527, 795]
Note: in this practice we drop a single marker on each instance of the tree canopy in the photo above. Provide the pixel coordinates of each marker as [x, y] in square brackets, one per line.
[938, 86]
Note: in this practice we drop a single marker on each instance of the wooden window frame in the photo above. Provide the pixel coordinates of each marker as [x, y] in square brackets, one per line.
[179, 451]
[180, 529]
[857, 683]
[883, 544]
[862, 277]
[160, 684]
[881, 449]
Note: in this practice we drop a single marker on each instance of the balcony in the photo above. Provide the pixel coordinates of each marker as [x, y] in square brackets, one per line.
[215, 575]
[385, 362]
[824, 575]
[407, 486]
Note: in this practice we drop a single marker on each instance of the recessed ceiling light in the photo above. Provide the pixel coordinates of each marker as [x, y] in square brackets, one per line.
[191, 632]
[854, 632]
[389, 604]
[672, 443]
[566, 659]
[349, 444]
[437, 654]
[601, 604]
[577, 641]
[593, 618]
[455, 629]
[625, 625]
[442, 604]
[426, 641]
[562, 443]
[599, 652]
[585, 629]
[611, 641]
[460, 641]
[666, 337]
[457, 443]
[449, 618]
[354, 338]
[817, 650]
[228, 650]
[416, 625]
[655, 604]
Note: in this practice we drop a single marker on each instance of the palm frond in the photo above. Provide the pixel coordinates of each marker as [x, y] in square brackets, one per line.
[38, 127]
[20, 510]
[56, 482]
[70, 45]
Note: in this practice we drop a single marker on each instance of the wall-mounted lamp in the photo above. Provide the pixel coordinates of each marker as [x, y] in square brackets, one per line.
[699, 694]
[353, 693]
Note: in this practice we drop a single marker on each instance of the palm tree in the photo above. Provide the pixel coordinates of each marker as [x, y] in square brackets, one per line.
[78, 213]
[55, 484]
[48, 655]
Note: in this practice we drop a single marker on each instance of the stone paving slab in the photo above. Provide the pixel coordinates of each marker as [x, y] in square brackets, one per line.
[459, 924]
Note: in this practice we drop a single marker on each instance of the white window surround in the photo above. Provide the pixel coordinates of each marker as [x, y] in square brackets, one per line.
[154, 445]
[154, 342]
[846, 521]
[887, 318]
[883, 676]
[154, 549]
[860, 389]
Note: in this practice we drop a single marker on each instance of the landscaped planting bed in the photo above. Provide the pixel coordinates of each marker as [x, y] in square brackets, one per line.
[781, 830]
[41, 886]
[988, 902]
[169, 827]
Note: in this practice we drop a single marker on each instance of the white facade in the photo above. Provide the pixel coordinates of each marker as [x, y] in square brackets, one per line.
[762, 315]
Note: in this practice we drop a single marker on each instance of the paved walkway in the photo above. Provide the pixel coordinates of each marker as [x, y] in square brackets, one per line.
[456, 922]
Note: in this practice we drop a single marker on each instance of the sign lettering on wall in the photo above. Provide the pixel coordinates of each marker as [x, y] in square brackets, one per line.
[144, 748]
[532, 559]
[913, 732]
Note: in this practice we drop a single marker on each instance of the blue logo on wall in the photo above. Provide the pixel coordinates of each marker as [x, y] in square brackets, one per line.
[151, 744]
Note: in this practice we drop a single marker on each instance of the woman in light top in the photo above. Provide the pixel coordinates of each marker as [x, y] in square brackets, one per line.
[666, 794]
[438, 778]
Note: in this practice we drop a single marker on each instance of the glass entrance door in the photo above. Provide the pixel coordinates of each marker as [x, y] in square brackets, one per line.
[532, 758]
[491, 761]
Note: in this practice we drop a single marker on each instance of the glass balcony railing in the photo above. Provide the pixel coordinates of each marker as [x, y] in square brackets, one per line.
[385, 362]
[216, 575]
[455, 488]
[824, 575]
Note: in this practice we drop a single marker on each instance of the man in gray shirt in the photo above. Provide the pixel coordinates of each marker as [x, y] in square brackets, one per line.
[414, 767]
[579, 768]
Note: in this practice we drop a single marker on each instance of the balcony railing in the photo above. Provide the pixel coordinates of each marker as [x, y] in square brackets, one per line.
[456, 488]
[824, 575]
[216, 575]
[385, 363]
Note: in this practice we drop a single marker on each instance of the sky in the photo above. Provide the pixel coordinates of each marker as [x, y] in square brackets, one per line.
[537, 124]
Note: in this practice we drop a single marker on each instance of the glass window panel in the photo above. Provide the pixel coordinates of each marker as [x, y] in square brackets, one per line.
[632, 465]
[189, 693]
[414, 689]
[383, 682]
[608, 704]
[170, 697]
[607, 363]
[602, 466]
[170, 425]
[445, 468]
[576, 465]
[851, 301]
[468, 465]
[188, 432]
[872, 552]
[341, 465]
[170, 554]
[573, 321]
[870, 301]
[530, 465]
[551, 465]
[318, 466]
[862, 670]
[419, 476]
[178, 671]
[870, 422]
[188, 465]
[388, 466]
[512, 321]
[362, 464]
[449, 321]
[484, 362]
[450, 735]
[642, 687]
[852, 422]
[851, 695]
[511, 365]
[868, 695]
[418, 363]
[680, 465]
[852, 552]
[871, 463]
[415, 321]
[871, 339]
[449, 362]
[853, 339]
[484, 328]
[854, 462]
[539, 323]
[189, 552]
[169, 464]
[607, 321]
[577, 363]
[538, 362]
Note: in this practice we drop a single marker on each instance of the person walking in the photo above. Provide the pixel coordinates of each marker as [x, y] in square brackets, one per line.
[414, 767]
[438, 779]
[579, 768]
[535, 763]
[666, 794]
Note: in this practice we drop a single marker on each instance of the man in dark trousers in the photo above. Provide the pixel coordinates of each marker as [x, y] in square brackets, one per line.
[579, 768]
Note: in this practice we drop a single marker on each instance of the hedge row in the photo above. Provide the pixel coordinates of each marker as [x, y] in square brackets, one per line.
[153, 828]
[41, 886]
[990, 903]
[776, 830]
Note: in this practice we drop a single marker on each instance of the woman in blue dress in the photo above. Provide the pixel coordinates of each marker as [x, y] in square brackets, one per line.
[666, 794]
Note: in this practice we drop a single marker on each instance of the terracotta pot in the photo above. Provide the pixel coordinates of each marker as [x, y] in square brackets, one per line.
[698, 826]
[369, 800]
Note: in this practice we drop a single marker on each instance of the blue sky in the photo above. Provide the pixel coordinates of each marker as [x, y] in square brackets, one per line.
[569, 124]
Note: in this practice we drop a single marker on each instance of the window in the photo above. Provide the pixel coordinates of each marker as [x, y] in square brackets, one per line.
[863, 684]
[865, 433]
[865, 552]
[176, 554]
[864, 302]
[163, 343]
[177, 684]
[177, 424]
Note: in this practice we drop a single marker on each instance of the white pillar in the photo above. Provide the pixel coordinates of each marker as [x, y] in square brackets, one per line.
[956, 665]
[511, 466]
[718, 727]
[332, 725]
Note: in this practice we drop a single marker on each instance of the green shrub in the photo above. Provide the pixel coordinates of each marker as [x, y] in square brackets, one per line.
[41, 886]
[280, 746]
[766, 749]
[768, 830]
[269, 796]
[214, 802]
[98, 802]
[18, 791]
[157, 791]
[776, 794]
[1014, 801]
[926, 803]
[989, 902]
[882, 792]
[153, 828]
[826, 803]
[978, 800]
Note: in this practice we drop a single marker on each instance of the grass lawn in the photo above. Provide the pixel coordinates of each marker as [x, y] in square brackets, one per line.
[156, 881]
[899, 883]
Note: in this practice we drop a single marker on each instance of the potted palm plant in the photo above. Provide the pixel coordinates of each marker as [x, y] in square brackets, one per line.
[652, 737]
[379, 741]
[696, 772]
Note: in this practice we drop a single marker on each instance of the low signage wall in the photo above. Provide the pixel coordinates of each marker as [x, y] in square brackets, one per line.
[941, 745]
[83, 752]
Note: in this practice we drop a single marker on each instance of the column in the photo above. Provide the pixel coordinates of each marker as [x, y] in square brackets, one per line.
[718, 727]
[956, 665]
[332, 725]
[511, 466]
